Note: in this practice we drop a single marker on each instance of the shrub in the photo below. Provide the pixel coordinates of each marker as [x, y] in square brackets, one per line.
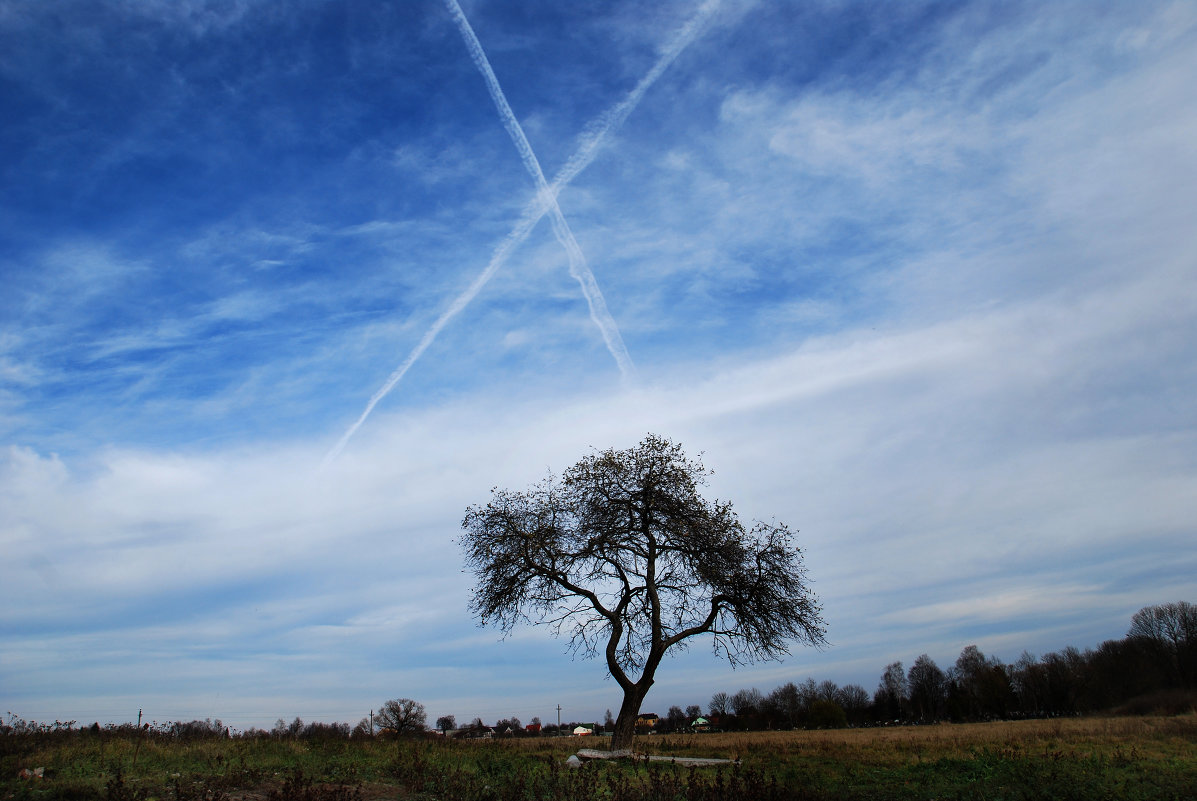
[827, 715]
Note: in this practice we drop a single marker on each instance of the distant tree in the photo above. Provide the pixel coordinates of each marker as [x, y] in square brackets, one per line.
[675, 719]
[788, 703]
[854, 700]
[746, 702]
[979, 687]
[927, 685]
[808, 691]
[1120, 670]
[195, 729]
[719, 704]
[1028, 681]
[536, 722]
[325, 731]
[363, 728]
[693, 712]
[827, 691]
[626, 558]
[446, 723]
[769, 714]
[608, 721]
[1065, 676]
[402, 717]
[892, 694]
[1172, 624]
[826, 714]
[509, 725]
[1171, 629]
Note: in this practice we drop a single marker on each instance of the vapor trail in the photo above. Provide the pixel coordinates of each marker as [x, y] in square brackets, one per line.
[578, 267]
[597, 131]
[497, 259]
[591, 140]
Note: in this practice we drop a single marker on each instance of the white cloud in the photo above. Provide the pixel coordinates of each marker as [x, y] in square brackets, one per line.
[940, 321]
[911, 460]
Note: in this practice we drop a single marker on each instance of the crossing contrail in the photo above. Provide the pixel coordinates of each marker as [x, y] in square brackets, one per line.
[590, 142]
[578, 267]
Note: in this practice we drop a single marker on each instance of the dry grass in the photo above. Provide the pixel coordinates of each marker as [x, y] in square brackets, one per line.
[1149, 735]
[1122, 758]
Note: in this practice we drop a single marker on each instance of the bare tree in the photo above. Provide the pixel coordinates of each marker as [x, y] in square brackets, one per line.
[446, 723]
[788, 703]
[809, 692]
[928, 686]
[979, 686]
[1172, 624]
[1171, 629]
[892, 694]
[720, 703]
[746, 702]
[402, 716]
[854, 700]
[625, 558]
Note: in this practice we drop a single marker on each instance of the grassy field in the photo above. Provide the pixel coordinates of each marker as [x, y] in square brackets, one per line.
[1094, 758]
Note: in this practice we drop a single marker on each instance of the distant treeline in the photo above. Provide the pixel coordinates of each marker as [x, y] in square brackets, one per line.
[1153, 670]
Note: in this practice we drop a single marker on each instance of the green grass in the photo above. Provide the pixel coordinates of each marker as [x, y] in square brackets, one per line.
[1096, 758]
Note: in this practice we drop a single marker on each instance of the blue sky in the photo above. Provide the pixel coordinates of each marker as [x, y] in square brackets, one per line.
[916, 279]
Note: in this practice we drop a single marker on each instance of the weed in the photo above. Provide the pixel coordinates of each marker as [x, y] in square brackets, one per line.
[299, 787]
[1139, 759]
[117, 790]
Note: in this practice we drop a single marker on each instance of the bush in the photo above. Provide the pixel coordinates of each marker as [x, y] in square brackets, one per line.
[1165, 702]
[827, 715]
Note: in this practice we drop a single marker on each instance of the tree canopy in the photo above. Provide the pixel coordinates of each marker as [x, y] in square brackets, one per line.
[402, 717]
[624, 557]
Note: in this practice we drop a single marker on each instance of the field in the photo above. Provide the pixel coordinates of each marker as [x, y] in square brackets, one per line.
[1093, 758]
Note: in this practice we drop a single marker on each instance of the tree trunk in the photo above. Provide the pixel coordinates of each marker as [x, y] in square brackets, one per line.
[629, 710]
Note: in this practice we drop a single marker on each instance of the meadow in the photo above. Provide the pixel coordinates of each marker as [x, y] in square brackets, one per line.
[1077, 758]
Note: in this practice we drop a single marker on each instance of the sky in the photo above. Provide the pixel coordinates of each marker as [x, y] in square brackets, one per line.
[288, 287]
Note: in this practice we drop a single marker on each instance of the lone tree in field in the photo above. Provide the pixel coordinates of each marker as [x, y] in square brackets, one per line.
[402, 717]
[623, 556]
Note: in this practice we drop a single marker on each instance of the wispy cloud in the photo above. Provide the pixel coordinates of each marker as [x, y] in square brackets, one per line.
[546, 201]
[940, 461]
[917, 282]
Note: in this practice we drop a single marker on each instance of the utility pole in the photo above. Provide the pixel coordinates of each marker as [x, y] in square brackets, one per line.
[558, 720]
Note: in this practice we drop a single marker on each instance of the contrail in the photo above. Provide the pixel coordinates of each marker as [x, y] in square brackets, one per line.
[592, 139]
[497, 259]
[597, 131]
[578, 267]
